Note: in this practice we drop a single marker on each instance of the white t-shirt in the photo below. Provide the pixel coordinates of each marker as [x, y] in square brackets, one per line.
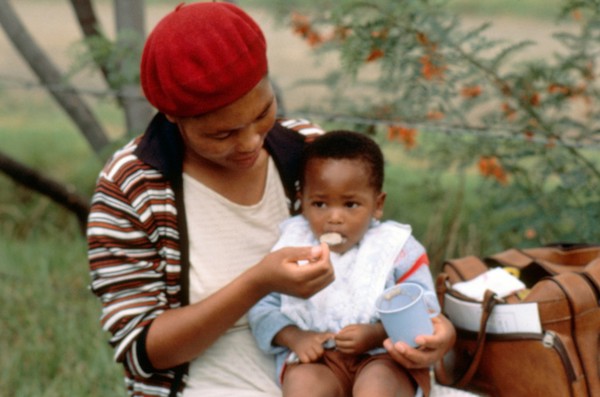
[225, 239]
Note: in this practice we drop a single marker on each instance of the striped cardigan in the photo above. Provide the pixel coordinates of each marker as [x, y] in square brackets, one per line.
[138, 244]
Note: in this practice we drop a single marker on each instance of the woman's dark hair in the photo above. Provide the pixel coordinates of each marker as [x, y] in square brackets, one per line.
[342, 144]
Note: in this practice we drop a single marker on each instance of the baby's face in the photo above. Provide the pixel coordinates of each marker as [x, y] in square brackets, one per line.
[337, 198]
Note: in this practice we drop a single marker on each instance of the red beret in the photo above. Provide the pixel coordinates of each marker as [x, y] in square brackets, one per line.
[201, 57]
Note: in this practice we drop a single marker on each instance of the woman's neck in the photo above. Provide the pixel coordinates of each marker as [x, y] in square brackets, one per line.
[244, 187]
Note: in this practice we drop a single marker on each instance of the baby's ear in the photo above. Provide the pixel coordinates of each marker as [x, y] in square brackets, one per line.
[379, 203]
[298, 201]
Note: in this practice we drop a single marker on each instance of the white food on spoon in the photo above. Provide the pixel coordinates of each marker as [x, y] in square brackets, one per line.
[331, 238]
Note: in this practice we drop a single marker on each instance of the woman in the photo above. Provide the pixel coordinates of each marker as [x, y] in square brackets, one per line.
[183, 217]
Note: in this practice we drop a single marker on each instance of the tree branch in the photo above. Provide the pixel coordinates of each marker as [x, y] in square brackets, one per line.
[50, 76]
[62, 194]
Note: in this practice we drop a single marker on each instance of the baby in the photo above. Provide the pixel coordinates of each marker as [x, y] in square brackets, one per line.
[331, 343]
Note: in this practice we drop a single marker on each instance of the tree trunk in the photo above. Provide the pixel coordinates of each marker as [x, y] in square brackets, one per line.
[130, 17]
[88, 22]
[51, 77]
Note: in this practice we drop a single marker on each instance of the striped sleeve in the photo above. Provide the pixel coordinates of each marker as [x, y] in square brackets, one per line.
[412, 265]
[304, 127]
[133, 253]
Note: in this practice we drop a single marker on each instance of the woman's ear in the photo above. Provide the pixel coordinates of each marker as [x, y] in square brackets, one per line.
[379, 203]
[171, 119]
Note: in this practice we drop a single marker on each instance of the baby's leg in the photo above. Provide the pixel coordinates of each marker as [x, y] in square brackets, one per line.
[315, 380]
[382, 378]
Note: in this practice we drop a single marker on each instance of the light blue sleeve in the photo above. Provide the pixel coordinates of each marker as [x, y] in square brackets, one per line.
[266, 320]
[412, 265]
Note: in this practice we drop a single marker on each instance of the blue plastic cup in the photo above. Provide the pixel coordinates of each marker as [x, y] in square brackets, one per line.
[406, 310]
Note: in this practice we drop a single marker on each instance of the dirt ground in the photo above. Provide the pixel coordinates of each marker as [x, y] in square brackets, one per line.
[53, 26]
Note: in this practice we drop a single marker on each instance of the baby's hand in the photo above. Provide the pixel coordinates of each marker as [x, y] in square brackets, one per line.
[308, 345]
[359, 338]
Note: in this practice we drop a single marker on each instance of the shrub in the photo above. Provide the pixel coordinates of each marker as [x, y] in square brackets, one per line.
[527, 131]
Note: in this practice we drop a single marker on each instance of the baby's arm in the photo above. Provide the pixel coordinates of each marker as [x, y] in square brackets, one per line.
[266, 320]
[274, 331]
[412, 265]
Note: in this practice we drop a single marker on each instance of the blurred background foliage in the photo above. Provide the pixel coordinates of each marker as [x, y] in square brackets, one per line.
[505, 149]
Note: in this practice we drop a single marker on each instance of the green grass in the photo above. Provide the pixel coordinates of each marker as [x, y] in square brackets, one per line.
[50, 337]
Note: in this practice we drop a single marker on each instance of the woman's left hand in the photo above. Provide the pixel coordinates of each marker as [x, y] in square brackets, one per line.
[431, 347]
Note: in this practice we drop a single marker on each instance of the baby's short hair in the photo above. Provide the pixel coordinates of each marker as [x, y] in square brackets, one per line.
[343, 144]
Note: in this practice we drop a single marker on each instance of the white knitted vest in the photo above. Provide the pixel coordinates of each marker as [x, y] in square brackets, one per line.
[360, 276]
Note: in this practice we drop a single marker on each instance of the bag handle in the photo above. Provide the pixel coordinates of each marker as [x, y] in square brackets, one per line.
[463, 269]
[559, 257]
[489, 302]
[592, 273]
[537, 263]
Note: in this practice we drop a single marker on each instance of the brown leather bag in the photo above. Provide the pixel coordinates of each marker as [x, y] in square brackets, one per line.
[564, 281]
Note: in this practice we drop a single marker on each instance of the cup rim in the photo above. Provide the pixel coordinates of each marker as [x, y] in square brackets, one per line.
[387, 290]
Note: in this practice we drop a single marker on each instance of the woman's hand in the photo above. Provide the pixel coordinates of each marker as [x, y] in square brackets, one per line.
[431, 347]
[173, 335]
[296, 271]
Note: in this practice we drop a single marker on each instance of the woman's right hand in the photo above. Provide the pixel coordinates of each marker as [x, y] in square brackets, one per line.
[173, 335]
[281, 272]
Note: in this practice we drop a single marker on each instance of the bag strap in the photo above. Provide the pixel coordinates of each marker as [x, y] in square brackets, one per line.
[489, 302]
[441, 286]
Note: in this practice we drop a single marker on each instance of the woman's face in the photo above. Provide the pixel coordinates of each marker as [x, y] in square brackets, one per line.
[338, 198]
[232, 137]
